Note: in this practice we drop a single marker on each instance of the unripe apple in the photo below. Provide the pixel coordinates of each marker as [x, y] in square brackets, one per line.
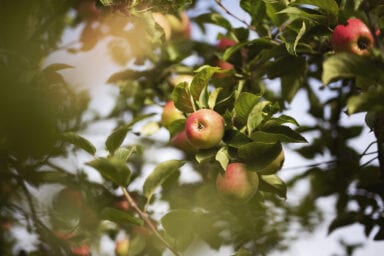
[238, 185]
[181, 141]
[122, 247]
[170, 114]
[275, 165]
[180, 26]
[205, 128]
[354, 37]
[163, 22]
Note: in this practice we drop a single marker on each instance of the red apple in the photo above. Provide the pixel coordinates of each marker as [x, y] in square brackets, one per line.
[224, 43]
[205, 128]
[181, 141]
[170, 114]
[180, 26]
[354, 37]
[238, 185]
[275, 165]
[81, 250]
[122, 247]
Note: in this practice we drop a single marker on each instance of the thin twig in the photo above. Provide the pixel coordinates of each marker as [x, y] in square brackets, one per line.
[309, 165]
[368, 147]
[234, 16]
[144, 216]
[368, 162]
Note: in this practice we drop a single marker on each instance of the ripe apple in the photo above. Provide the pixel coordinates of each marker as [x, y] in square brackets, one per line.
[163, 22]
[238, 185]
[224, 43]
[122, 247]
[275, 165]
[180, 26]
[205, 128]
[181, 141]
[354, 37]
[170, 114]
[81, 250]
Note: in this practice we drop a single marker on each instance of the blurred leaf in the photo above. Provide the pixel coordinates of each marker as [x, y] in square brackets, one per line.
[116, 138]
[242, 252]
[56, 67]
[149, 128]
[200, 80]
[222, 157]
[159, 175]
[125, 153]
[213, 18]
[325, 6]
[235, 138]
[343, 220]
[79, 141]
[370, 100]
[213, 97]
[120, 216]
[259, 154]
[347, 65]
[283, 119]
[273, 184]
[284, 133]
[298, 13]
[112, 169]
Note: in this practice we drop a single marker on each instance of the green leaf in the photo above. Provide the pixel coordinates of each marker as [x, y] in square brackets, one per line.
[213, 18]
[273, 183]
[112, 169]
[244, 105]
[325, 6]
[347, 65]
[300, 34]
[162, 171]
[107, 2]
[371, 100]
[256, 116]
[200, 80]
[213, 97]
[150, 128]
[283, 133]
[56, 67]
[283, 119]
[179, 224]
[116, 138]
[259, 154]
[222, 156]
[343, 220]
[79, 141]
[297, 13]
[119, 216]
[182, 97]
[125, 153]
[205, 155]
[235, 138]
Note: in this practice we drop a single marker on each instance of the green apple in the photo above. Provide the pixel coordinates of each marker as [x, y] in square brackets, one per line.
[275, 165]
[122, 247]
[354, 37]
[170, 114]
[238, 185]
[205, 128]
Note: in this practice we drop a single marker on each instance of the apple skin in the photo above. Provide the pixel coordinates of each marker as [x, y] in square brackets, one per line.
[223, 44]
[180, 26]
[122, 247]
[181, 141]
[238, 185]
[354, 37]
[81, 250]
[274, 166]
[170, 114]
[205, 128]
[163, 22]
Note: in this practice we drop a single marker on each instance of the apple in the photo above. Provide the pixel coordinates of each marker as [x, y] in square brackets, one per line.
[69, 201]
[204, 128]
[177, 79]
[122, 247]
[238, 185]
[81, 250]
[224, 43]
[87, 9]
[163, 22]
[181, 141]
[180, 26]
[170, 114]
[354, 37]
[275, 165]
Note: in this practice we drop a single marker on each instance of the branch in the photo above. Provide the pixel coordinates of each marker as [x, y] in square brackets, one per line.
[250, 27]
[144, 216]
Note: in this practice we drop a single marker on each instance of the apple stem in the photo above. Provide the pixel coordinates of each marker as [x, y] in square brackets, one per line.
[145, 217]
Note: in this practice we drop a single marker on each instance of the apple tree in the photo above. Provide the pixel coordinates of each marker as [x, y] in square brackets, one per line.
[199, 133]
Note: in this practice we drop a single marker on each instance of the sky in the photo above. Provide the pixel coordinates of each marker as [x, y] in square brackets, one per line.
[315, 244]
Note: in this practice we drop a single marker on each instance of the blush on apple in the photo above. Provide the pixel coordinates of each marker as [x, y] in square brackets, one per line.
[238, 185]
[170, 114]
[204, 128]
[181, 141]
[354, 37]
